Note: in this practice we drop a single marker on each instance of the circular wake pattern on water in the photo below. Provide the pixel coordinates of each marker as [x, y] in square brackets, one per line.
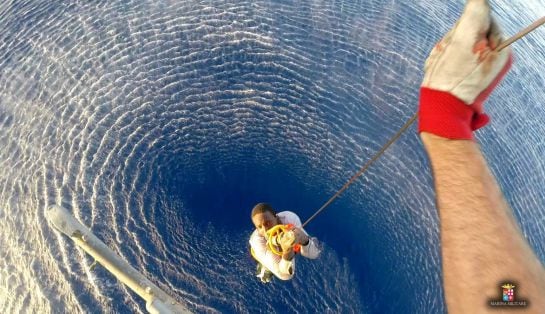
[159, 124]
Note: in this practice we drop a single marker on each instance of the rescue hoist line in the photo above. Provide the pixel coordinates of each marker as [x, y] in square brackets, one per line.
[278, 230]
[504, 44]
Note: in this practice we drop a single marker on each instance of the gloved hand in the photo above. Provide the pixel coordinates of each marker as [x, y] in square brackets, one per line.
[460, 73]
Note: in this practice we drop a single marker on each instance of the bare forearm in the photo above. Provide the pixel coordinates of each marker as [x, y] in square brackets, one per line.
[481, 242]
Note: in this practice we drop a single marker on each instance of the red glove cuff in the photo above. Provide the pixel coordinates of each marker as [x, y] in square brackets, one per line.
[445, 115]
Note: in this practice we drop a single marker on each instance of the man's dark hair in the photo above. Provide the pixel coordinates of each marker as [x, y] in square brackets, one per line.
[261, 208]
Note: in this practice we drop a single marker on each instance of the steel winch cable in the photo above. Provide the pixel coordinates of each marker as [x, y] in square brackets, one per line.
[504, 44]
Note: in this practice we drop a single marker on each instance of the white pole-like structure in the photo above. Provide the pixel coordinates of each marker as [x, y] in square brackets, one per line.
[157, 301]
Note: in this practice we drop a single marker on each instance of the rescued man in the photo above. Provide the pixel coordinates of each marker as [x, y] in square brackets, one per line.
[264, 217]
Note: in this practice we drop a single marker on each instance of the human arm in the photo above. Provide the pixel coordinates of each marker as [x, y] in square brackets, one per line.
[310, 247]
[481, 243]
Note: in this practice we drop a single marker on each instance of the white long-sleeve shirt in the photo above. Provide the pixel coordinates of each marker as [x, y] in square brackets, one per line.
[276, 264]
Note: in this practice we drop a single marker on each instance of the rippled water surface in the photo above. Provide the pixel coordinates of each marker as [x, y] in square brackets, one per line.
[159, 124]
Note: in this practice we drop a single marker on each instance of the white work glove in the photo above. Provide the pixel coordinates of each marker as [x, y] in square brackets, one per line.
[460, 73]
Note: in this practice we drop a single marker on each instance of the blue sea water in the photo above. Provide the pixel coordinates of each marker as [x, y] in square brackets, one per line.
[159, 124]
